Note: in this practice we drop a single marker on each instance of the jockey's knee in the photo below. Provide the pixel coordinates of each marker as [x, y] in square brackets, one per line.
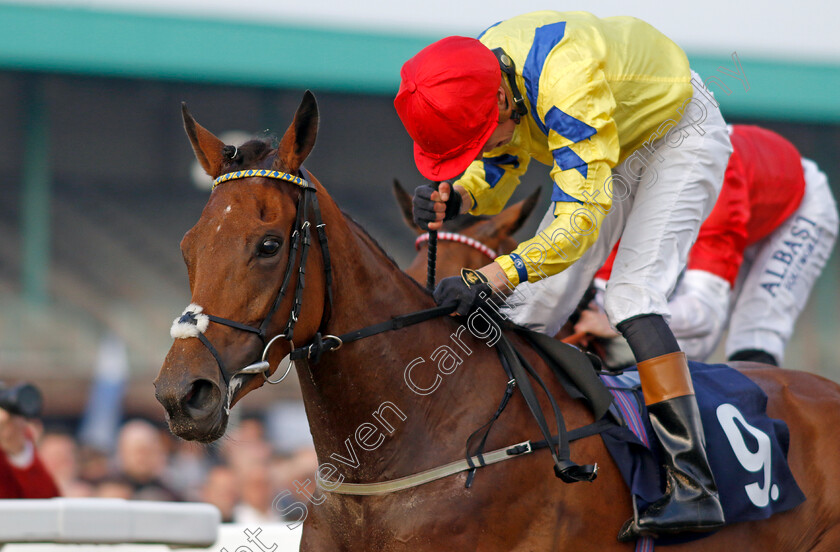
[648, 336]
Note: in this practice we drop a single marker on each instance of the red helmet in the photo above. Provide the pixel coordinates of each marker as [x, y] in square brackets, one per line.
[447, 103]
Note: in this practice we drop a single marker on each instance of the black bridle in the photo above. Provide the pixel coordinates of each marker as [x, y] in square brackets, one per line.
[300, 240]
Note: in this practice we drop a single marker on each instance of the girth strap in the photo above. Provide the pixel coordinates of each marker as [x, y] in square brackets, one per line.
[493, 457]
[564, 468]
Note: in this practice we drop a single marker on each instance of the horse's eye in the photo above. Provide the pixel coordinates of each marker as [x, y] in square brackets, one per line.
[269, 247]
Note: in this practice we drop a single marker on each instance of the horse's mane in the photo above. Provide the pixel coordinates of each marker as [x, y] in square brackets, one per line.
[462, 222]
[370, 240]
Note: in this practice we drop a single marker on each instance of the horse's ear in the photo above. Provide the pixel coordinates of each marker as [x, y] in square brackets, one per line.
[208, 149]
[300, 136]
[404, 200]
[511, 219]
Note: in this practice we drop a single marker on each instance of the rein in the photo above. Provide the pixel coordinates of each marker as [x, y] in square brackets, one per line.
[458, 238]
[431, 257]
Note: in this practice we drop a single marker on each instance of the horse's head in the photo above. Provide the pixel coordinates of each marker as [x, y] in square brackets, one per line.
[490, 235]
[242, 260]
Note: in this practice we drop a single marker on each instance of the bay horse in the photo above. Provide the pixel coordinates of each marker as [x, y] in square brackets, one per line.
[369, 425]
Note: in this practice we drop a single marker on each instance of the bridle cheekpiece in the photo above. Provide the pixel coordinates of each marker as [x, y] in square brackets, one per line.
[193, 322]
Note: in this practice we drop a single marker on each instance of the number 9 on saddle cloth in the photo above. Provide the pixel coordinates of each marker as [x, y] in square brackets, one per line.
[747, 449]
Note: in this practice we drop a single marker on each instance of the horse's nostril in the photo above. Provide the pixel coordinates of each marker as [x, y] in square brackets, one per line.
[201, 399]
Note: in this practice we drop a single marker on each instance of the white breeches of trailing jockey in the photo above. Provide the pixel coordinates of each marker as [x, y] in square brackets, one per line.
[778, 272]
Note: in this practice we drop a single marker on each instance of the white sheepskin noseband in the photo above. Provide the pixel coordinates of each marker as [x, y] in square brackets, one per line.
[191, 323]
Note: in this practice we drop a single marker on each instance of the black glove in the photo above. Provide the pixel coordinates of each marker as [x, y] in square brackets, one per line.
[470, 290]
[424, 207]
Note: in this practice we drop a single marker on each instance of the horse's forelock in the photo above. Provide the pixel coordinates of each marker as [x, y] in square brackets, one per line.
[253, 154]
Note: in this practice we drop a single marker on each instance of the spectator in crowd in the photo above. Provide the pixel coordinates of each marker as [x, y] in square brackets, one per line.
[59, 454]
[94, 465]
[242, 477]
[245, 446]
[113, 487]
[187, 468]
[221, 489]
[257, 495]
[298, 466]
[22, 474]
[141, 461]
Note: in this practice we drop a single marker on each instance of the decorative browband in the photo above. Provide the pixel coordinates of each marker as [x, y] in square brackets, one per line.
[460, 238]
[303, 183]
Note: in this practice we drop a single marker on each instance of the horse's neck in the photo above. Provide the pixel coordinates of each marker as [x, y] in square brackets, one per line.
[358, 400]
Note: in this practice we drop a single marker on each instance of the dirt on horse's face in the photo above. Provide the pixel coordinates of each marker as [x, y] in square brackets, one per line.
[234, 254]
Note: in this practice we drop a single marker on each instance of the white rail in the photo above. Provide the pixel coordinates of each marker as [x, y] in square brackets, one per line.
[107, 521]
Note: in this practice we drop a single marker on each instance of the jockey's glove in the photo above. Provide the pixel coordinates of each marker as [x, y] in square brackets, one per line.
[469, 291]
[424, 206]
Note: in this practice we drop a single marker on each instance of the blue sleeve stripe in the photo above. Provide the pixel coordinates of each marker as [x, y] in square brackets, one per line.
[559, 196]
[487, 29]
[567, 126]
[493, 171]
[519, 265]
[545, 39]
[567, 159]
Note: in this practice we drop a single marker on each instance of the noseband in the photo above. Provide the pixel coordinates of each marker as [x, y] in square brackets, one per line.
[300, 239]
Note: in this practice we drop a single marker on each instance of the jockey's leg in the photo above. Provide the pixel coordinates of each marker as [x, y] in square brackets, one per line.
[783, 269]
[545, 305]
[661, 227]
[691, 498]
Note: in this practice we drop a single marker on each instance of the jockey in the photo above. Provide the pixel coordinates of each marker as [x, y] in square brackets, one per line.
[637, 148]
[756, 258]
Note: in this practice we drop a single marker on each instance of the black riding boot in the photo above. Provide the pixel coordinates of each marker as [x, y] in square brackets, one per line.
[691, 501]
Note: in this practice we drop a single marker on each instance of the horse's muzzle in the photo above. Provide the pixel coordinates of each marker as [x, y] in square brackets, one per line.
[195, 409]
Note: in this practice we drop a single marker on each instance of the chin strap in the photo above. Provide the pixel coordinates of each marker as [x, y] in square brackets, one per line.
[509, 69]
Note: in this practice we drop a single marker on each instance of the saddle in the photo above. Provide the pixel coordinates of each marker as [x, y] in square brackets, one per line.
[747, 449]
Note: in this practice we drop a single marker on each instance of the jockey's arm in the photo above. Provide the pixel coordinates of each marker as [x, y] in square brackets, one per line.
[488, 183]
[574, 229]
[699, 310]
[564, 241]
[574, 110]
